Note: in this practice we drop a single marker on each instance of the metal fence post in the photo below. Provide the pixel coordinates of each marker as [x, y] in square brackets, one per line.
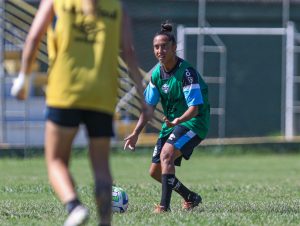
[289, 81]
[2, 75]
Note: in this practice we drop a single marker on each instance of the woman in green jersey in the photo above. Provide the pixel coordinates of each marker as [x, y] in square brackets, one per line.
[83, 46]
[184, 98]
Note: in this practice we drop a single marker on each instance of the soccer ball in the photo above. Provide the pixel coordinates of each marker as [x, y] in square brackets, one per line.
[119, 200]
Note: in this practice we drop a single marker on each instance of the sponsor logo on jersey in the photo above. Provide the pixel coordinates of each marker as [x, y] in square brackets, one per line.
[187, 72]
[190, 79]
[189, 76]
[165, 88]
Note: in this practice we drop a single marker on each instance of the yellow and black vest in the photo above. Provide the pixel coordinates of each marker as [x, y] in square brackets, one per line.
[83, 56]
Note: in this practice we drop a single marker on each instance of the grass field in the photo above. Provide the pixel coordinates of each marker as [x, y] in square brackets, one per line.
[236, 189]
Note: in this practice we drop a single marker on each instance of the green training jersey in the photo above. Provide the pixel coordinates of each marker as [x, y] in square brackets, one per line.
[177, 90]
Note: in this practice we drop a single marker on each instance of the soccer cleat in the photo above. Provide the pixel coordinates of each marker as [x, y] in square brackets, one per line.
[78, 216]
[188, 205]
[160, 209]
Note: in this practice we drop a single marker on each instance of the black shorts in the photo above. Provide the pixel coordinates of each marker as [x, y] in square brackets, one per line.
[98, 124]
[183, 139]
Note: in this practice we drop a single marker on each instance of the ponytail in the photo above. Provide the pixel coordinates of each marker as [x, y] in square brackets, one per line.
[166, 29]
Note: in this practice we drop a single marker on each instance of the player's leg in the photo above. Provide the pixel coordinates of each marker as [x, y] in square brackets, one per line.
[167, 158]
[59, 135]
[155, 167]
[58, 145]
[184, 141]
[181, 142]
[155, 171]
[99, 155]
[100, 129]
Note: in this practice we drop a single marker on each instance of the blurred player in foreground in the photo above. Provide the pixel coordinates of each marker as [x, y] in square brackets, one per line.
[184, 98]
[84, 38]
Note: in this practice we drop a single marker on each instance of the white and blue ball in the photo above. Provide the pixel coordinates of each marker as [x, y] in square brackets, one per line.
[119, 200]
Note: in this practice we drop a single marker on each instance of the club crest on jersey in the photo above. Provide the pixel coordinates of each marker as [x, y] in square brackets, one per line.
[165, 88]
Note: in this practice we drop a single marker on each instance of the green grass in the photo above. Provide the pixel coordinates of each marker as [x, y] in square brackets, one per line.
[236, 189]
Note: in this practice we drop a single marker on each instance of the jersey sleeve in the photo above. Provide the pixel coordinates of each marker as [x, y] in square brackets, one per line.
[191, 88]
[151, 94]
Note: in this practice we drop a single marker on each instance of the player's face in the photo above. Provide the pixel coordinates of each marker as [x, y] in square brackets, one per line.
[164, 50]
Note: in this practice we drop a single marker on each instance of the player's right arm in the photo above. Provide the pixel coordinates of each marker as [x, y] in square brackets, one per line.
[131, 140]
[38, 28]
[152, 97]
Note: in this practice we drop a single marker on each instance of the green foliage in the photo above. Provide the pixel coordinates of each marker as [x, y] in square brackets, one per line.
[236, 190]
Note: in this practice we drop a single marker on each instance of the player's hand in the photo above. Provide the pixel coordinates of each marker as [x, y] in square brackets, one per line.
[130, 141]
[20, 87]
[169, 124]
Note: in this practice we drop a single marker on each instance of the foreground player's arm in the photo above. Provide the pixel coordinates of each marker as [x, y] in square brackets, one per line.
[38, 28]
[128, 53]
[193, 98]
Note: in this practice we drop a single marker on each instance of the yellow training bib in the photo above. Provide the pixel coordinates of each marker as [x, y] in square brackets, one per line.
[83, 56]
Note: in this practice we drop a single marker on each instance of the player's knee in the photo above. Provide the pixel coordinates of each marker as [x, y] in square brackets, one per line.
[152, 173]
[165, 158]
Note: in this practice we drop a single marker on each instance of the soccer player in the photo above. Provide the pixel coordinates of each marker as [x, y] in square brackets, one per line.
[83, 47]
[184, 98]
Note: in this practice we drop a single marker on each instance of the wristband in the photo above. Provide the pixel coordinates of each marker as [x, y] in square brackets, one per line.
[20, 83]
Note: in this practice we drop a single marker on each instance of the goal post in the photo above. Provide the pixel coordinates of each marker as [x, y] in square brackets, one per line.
[289, 63]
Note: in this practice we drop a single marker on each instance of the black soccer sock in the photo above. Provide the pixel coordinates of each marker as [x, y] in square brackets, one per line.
[182, 190]
[72, 204]
[167, 181]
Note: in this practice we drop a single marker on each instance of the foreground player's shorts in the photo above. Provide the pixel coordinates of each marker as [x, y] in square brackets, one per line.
[98, 124]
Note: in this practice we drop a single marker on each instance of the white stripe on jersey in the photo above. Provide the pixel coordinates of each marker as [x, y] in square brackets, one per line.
[191, 86]
[151, 84]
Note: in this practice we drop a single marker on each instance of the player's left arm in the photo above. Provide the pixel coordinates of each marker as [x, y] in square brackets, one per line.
[193, 97]
[128, 52]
